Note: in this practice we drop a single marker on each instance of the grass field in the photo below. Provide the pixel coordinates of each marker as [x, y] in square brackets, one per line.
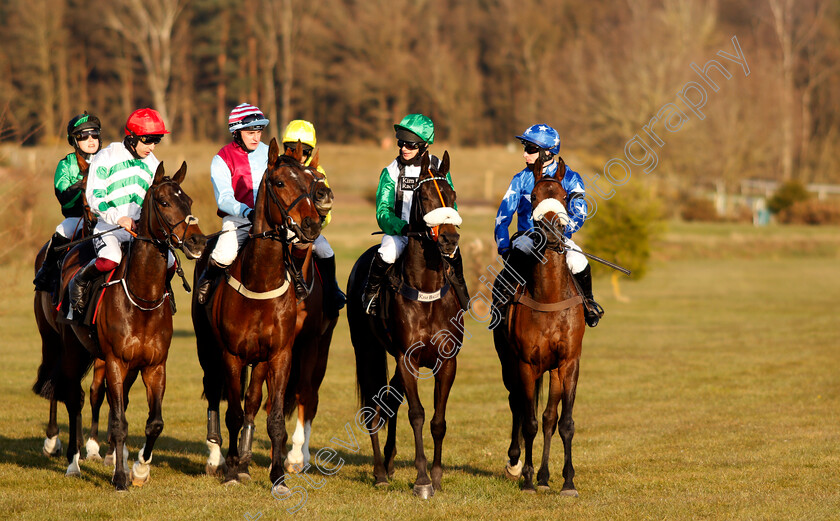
[713, 394]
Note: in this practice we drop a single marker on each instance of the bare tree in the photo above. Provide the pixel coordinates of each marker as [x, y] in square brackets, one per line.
[148, 26]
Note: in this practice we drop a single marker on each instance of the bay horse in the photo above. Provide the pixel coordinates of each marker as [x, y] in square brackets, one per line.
[313, 335]
[250, 318]
[45, 318]
[543, 332]
[424, 328]
[133, 328]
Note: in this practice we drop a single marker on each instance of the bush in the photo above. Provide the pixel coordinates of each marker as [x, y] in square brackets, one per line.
[811, 212]
[786, 196]
[698, 209]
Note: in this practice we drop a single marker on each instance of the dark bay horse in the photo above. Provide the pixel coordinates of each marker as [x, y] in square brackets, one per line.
[45, 315]
[424, 329]
[133, 327]
[251, 318]
[543, 332]
[313, 335]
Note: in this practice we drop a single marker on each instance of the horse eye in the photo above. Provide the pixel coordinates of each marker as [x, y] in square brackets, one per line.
[280, 183]
[163, 203]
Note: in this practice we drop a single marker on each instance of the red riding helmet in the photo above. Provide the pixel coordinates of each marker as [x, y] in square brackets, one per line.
[143, 122]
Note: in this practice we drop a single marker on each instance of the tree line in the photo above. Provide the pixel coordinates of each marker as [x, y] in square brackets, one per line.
[482, 69]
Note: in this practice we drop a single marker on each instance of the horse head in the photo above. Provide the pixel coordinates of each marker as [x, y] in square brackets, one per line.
[434, 205]
[168, 218]
[321, 194]
[548, 204]
[285, 202]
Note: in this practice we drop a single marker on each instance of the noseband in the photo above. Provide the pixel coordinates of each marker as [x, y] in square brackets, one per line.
[172, 239]
[289, 222]
[431, 232]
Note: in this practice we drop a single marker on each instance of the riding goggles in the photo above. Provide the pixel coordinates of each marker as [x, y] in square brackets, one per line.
[409, 145]
[85, 134]
[150, 139]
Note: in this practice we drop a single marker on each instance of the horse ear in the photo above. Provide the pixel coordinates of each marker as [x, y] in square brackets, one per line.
[444, 164]
[84, 166]
[538, 166]
[561, 166]
[159, 173]
[181, 173]
[273, 153]
[315, 160]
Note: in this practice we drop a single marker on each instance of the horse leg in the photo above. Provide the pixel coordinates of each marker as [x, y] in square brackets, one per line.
[391, 440]
[417, 416]
[154, 377]
[234, 416]
[567, 425]
[52, 444]
[296, 460]
[74, 364]
[116, 374]
[549, 425]
[510, 377]
[280, 365]
[97, 396]
[529, 425]
[213, 384]
[253, 400]
[444, 379]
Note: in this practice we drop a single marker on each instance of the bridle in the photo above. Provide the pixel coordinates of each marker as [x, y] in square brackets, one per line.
[288, 221]
[165, 228]
[559, 247]
[432, 232]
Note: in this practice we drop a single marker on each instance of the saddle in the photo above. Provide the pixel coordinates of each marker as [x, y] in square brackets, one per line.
[65, 313]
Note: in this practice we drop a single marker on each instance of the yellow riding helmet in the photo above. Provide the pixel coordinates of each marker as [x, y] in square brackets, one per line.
[300, 130]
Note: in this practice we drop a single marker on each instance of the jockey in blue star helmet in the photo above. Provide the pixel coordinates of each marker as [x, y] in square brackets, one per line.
[542, 141]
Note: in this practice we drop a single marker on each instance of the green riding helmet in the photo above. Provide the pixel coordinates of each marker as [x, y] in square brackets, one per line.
[415, 126]
[79, 123]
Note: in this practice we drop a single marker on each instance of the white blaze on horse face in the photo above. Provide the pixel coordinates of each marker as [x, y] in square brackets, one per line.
[444, 215]
[551, 205]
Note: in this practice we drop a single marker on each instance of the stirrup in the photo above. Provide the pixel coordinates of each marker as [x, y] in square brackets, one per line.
[370, 305]
[592, 312]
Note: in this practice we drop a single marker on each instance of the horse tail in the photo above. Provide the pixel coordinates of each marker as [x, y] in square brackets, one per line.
[370, 352]
[51, 351]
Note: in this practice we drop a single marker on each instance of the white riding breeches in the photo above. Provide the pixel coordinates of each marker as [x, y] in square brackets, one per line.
[69, 226]
[392, 247]
[575, 261]
[227, 247]
[108, 245]
[322, 249]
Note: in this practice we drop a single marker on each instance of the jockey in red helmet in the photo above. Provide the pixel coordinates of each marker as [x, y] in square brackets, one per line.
[119, 177]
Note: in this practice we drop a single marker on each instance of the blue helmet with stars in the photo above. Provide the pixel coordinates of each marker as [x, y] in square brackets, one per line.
[542, 135]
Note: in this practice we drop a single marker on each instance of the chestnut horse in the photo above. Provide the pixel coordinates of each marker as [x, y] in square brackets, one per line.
[313, 335]
[424, 328]
[45, 315]
[133, 327]
[542, 333]
[251, 317]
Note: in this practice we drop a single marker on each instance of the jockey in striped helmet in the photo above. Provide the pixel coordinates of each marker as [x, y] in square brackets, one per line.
[236, 172]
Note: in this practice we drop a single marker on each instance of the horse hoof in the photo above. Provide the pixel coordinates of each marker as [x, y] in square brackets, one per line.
[529, 491]
[424, 491]
[513, 472]
[231, 483]
[382, 484]
[139, 481]
[92, 450]
[72, 474]
[52, 447]
[216, 471]
[543, 488]
[569, 492]
[108, 461]
[280, 491]
[293, 468]
[243, 477]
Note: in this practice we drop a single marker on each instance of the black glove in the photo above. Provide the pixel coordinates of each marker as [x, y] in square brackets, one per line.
[250, 216]
[404, 230]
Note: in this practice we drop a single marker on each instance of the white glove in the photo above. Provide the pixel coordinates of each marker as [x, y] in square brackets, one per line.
[523, 243]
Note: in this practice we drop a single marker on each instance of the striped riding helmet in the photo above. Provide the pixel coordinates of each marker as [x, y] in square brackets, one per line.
[246, 116]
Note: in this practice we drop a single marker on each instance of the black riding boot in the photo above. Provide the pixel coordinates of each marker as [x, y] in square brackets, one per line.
[47, 277]
[460, 288]
[79, 286]
[592, 309]
[334, 298]
[370, 300]
[202, 290]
